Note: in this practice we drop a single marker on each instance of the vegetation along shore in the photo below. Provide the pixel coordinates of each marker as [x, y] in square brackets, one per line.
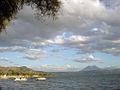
[13, 72]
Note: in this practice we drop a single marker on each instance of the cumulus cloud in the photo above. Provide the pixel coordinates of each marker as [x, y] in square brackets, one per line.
[86, 25]
[87, 59]
[54, 68]
[28, 53]
[33, 54]
[55, 50]
[11, 49]
[4, 59]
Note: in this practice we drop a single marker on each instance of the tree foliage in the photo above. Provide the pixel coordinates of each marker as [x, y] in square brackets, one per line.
[9, 8]
[16, 71]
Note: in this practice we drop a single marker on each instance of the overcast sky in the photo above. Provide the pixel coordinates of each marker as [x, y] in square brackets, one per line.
[87, 32]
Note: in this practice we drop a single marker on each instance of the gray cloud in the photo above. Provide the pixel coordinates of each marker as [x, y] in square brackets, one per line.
[33, 54]
[87, 59]
[54, 68]
[55, 50]
[4, 59]
[28, 53]
[86, 25]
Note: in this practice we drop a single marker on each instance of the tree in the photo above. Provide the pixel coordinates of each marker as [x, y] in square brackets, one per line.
[9, 8]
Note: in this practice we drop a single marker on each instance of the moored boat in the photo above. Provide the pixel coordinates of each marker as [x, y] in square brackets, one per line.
[41, 79]
[4, 77]
[20, 79]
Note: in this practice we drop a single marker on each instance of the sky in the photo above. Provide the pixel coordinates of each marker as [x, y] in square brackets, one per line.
[87, 32]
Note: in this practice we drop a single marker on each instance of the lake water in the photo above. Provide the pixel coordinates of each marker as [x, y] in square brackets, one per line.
[66, 81]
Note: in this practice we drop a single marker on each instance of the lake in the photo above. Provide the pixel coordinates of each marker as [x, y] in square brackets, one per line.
[66, 81]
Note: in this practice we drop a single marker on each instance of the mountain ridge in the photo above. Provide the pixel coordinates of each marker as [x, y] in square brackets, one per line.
[91, 68]
[95, 70]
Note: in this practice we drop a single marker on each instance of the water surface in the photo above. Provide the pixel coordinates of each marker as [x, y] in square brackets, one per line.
[66, 81]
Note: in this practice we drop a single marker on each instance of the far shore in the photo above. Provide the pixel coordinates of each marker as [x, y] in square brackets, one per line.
[23, 76]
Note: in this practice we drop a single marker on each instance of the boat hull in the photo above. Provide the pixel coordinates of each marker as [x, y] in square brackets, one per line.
[20, 79]
[41, 79]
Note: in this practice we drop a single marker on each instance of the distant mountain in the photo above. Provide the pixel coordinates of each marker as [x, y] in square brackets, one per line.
[91, 68]
[94, 70]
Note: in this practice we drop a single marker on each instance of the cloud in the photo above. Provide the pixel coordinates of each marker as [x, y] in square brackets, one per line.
[33, 54]
[85, 25]
[54, 68]
[55, 50]
[111, 4]
[11, 49]
[28, 53]
[4, 59]
[87, 59]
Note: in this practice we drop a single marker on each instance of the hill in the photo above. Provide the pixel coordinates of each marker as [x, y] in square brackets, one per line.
[91, 68]
[23, 68]
[22, 71]
[94, 70]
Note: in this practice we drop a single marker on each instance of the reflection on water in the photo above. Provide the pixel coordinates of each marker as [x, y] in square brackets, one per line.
[66, 81]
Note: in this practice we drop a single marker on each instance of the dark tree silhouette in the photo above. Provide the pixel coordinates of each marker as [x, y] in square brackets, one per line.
[9, 8]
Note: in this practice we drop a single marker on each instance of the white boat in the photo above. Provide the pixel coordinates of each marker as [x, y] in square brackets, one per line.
[4, 77]
[41, 78]
[20, 79]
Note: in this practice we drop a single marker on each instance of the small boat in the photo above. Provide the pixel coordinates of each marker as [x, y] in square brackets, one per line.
[41, 79]
[4, 77]
[20, 79]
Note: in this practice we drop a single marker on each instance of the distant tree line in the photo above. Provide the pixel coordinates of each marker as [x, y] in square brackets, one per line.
[11, 71]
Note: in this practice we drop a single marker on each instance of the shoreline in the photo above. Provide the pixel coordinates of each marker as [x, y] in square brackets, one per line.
[24, 76]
